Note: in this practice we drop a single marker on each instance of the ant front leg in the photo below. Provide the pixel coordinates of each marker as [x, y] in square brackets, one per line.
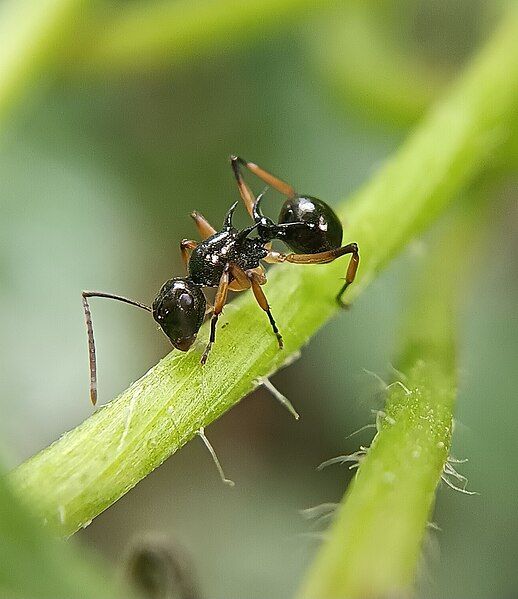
[219, 302]
[324, 258]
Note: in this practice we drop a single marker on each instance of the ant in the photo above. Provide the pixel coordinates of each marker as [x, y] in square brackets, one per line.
[229, 259]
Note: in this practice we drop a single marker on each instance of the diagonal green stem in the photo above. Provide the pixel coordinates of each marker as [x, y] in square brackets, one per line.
[33, 564]
[90, 467]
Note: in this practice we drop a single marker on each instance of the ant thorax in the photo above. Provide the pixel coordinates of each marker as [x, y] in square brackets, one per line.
[209, 258]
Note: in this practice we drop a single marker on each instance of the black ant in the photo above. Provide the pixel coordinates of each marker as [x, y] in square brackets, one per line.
[230, 260]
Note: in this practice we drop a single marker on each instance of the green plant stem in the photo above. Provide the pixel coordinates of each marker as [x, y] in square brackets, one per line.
[89, 468]
[364, 63]
[147, 36]
[33, 33]
[35, 564]
[374, 545]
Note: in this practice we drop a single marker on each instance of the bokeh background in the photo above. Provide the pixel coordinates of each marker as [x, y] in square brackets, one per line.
[100, 164]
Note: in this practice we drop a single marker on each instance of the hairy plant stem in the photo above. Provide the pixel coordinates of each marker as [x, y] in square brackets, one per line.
[92, 466]
[374, 544]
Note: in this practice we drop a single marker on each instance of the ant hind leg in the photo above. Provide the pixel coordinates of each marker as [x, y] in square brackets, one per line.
[324, 258]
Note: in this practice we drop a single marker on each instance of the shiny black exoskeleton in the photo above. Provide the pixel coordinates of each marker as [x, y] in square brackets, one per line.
[306, 225]
[323, 231]
[209, 258]
[230, 259]
[180, 306]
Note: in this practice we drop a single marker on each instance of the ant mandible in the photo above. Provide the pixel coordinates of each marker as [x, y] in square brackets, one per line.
[230, 260]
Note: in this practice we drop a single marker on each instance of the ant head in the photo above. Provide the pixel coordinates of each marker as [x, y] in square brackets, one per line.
[179, 309]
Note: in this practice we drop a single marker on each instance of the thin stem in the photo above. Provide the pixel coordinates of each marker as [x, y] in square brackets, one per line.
[374, 544]
[35, 564]
[88, 469]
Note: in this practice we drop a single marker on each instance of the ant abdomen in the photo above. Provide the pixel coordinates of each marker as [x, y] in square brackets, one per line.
[324, 231]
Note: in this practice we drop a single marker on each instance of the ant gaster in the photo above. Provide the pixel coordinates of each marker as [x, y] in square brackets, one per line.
[230, 260]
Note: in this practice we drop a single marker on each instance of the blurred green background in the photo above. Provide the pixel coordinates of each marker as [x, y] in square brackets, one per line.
[100, 164]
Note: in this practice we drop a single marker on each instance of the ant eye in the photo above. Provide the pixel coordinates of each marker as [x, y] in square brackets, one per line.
[185, 301]
[180, 309]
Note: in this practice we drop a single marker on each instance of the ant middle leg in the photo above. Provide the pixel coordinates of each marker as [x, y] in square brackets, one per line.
[324, 258]
[278, 184]
[241, 279]
[256, 279]
[219, 302]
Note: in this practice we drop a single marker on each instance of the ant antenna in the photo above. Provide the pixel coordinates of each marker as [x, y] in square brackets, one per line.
[90, 331]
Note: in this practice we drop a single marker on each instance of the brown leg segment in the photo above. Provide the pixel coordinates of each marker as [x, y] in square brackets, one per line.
[241, 280]
[349, 277]
[186, 246]
[324, 258]
[245, 191]
[220, 300]
[268, 178]
[205, 229]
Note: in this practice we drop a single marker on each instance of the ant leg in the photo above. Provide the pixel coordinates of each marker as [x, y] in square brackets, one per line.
[258, 280]
[241, 280]
[349, 277]
[254, 278]
[324, 258]
[186, 246]
[221, 298]
[245, 191]
[268, 178]
[205, 229]
[90, 331]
